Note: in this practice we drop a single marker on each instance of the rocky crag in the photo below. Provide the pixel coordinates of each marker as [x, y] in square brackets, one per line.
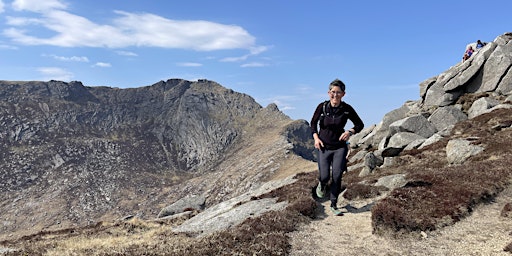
[72, 155]
[476, 86]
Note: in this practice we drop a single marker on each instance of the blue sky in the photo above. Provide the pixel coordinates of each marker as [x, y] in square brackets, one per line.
[283, 52]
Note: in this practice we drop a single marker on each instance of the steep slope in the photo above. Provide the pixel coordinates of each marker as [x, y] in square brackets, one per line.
[72, 155]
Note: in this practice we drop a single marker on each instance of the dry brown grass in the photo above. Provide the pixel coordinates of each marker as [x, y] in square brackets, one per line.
[439, 197]
[362, 191]
[265, 235]
[437, 194]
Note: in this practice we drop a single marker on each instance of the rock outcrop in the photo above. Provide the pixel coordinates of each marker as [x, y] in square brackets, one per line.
[476, 86]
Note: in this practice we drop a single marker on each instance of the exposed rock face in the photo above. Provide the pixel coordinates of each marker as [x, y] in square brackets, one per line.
[470, 88]
[190, 123]
[71, 154]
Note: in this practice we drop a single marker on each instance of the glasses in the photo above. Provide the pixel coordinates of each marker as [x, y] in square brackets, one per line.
[336, 92]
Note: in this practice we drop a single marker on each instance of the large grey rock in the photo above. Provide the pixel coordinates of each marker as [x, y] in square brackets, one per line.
[358, 156]
[234, 211]
[390, 151]
[194, 202]
[392, 181]
[402, 139]
[505, 86]
[481, 105]
[362, 137]
[431, 140]
[436, 96]
[459, 150]
[499, 106]
[223, 219]
[496, 67]
[417, 124]
[440, 93]
[444, 117]
[381, 130]
[425, 86]
[371, 161]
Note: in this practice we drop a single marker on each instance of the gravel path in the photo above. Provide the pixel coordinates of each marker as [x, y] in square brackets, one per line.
[485, 232]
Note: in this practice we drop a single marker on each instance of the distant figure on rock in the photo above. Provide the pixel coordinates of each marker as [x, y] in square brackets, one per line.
[328, 128]
[479, 44]
[468, 53]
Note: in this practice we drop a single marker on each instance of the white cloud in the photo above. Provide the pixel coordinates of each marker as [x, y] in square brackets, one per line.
[152, 30]
[69, 30]
[282, 102]
[20, 21]
[1, 6]
[253, 65]
[54, 73]
[258, 49]
[38, 5]
[8, 47]
[253, 51]
[125, 30]
[189, 64]
[235, 59]
[102, 65]
[72, 58]
[126, 53]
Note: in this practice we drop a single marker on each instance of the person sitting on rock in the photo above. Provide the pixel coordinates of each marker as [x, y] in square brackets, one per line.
[468, 53]
[480, 44]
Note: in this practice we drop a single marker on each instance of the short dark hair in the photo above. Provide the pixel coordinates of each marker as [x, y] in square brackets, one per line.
[338, 83]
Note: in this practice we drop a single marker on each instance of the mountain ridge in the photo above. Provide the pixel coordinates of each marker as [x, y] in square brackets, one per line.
[82, 154]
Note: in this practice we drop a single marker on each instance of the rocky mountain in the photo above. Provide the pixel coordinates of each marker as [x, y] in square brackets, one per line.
[468, 89]
[72, 155]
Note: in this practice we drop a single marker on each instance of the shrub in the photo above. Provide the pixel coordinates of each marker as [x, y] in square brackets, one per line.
[362, 191]
[507, 210]
[508, 248]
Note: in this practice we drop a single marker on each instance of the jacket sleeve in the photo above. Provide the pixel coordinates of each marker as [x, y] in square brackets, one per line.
[356, 120]
[316, 118]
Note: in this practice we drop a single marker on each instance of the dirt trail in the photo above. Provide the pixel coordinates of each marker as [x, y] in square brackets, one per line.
[482, 233]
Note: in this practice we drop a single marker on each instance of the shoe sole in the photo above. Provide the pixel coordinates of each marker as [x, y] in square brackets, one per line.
[337, 212]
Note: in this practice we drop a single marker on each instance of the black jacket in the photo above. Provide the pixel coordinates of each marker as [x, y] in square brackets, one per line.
[332, 123]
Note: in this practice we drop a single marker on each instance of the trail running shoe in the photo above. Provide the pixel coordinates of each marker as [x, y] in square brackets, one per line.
[319, 191]
[336, 211]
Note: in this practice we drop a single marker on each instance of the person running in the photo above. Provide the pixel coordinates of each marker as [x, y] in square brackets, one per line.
[328, 129]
